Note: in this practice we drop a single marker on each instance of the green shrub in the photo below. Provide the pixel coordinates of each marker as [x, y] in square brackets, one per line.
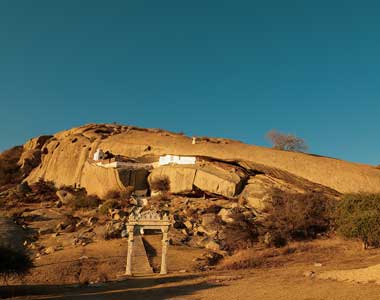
[358, 217]
[13, 262]
[296, 216]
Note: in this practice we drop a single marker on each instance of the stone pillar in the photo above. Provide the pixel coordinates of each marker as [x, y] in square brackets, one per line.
[128, 269]
[165, 242]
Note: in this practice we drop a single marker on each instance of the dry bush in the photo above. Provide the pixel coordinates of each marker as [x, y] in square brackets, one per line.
[296, 217]
[160, 183]
[37, 192]
[288, 142]
[13, 263]
[107, 205]
[120, 195]
[9, 169]
[112, 195]
[127, 193]
[241, 234]
[259, 257]
[358, 216]
[42, 187]
[82, 201]
[246, 259]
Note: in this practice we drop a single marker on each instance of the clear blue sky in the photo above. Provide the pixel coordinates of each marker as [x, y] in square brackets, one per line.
[221, 68]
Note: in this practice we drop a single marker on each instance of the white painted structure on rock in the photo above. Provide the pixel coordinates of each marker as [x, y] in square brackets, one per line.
[98, 155]
[177, 159]
[169, 159]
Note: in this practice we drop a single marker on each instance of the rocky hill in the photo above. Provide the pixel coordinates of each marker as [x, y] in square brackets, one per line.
[78, 198]
[224, 167]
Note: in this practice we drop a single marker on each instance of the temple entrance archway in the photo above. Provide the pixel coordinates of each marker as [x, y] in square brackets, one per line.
[147, 220]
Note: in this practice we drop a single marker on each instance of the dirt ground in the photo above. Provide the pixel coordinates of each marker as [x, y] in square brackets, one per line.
[282, 276]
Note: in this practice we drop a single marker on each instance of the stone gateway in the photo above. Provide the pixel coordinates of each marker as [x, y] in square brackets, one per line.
[147, 220]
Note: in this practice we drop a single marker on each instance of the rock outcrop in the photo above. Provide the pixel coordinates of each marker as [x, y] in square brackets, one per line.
[217, 178]
[99, 180]
[258, 190]
[64, 160]
[31, 156]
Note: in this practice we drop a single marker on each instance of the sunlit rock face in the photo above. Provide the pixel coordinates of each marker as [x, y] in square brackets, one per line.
[66, 158]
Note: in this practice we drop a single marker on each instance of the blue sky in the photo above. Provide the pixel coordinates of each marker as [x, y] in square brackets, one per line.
[232, 69]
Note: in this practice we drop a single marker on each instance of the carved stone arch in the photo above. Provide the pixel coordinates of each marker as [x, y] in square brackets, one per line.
[148, 220]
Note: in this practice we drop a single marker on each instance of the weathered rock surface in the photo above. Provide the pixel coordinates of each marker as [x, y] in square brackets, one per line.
[258, 190]
[99, 180]
[217, 178]
[31, 156]
[64, 157]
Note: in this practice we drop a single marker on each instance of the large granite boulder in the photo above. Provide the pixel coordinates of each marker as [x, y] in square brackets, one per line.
[31, 156]
[181, 177]
[99, 180]
[217, 178]
[258, 190]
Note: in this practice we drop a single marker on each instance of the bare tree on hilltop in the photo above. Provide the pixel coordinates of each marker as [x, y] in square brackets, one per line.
[288, 142]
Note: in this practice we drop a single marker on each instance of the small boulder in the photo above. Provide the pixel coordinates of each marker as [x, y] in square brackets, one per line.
[226, 215]
[213, 246]
[188, 224]
[65, 196]
[49, 250]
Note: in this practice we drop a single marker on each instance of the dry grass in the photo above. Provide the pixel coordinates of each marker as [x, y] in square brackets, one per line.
[261, 257]
[250, 258]
[13, 263]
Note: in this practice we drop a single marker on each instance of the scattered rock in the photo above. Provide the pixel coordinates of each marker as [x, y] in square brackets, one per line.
[309, 274]
[65, 196]
[188, 224]
[226, 215]
[81, 241]
[49, 250]
[213, 246]
[92, 221]
[114, 230]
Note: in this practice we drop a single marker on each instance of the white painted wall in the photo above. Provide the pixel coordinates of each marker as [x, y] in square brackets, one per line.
[177, 159]
[99, 154]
